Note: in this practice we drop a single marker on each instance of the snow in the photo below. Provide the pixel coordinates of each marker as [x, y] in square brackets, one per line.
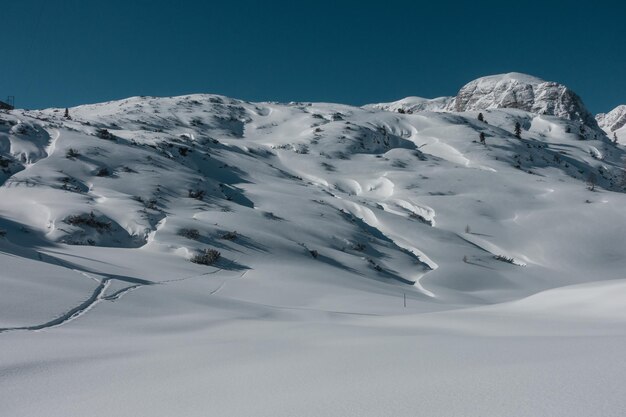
[614, 123]
[512, 268]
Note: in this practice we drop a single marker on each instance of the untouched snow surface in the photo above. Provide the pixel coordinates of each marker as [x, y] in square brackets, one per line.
[327, 218]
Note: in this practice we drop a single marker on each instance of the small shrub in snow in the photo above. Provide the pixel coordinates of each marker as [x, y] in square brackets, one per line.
[197, 194]
[397, 163]
[104, 134]
[271, 216]
[71, 153]
[503, 258]
[103, 172]
[591, 181]
[359, 247]
[314, 253]
[229, 236]
[88, 220]
[193, 234]
[374, 265]
[206, 257]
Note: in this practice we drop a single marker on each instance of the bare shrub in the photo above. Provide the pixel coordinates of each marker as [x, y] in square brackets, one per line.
[229, 235]
[206, 257]
[503, 258]
[71, 153]
[88, 220]
[193, 234]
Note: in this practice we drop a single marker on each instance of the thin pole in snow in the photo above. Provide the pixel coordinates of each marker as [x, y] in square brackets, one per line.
[404, 300]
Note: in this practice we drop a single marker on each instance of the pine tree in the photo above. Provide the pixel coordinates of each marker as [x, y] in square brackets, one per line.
[614, 137]
[518, 130]
[67, 114]
[481, 118]
[482, 138]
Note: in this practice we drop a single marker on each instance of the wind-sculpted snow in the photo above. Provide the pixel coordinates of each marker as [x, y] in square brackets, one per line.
[338, 227]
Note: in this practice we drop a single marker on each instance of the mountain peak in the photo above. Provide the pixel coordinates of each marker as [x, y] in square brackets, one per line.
[525, 92]
[510, 77]
[613, 120]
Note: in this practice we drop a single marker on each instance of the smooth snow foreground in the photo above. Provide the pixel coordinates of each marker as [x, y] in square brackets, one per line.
[326, 217]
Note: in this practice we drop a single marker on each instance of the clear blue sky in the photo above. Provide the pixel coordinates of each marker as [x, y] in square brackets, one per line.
[69, 52]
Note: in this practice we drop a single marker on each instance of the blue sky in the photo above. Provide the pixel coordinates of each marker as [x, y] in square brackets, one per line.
[69, 52]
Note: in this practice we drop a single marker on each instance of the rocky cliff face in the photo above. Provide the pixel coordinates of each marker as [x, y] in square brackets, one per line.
[613, 120]
[524, 92]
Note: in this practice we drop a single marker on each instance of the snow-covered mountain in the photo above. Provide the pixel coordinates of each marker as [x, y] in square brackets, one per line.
[505, 91]
[524, 92]
[614, 123]
[352, 242]
[414, 104]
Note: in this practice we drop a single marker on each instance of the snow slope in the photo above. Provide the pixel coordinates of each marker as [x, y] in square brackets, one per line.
[326, 216]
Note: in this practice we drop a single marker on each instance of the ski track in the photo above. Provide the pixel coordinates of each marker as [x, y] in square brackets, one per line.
[219, 288]
[96, 297]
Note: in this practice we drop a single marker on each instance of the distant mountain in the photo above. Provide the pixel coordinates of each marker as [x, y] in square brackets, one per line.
[505, 91]
[613, 120]
[414, 104]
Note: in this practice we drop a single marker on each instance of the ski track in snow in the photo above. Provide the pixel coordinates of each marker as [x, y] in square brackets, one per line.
[96, 297]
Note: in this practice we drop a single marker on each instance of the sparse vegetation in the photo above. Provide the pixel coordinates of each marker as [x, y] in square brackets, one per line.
[229, 235]
[271, 216]
[374, 265]
[104, 134]
[103, 172]
[192, 234]
[359, 247]
[72, 153]
[592, 180]
[197, 194]
[503, 258]
[206, 257]
[88, 220]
